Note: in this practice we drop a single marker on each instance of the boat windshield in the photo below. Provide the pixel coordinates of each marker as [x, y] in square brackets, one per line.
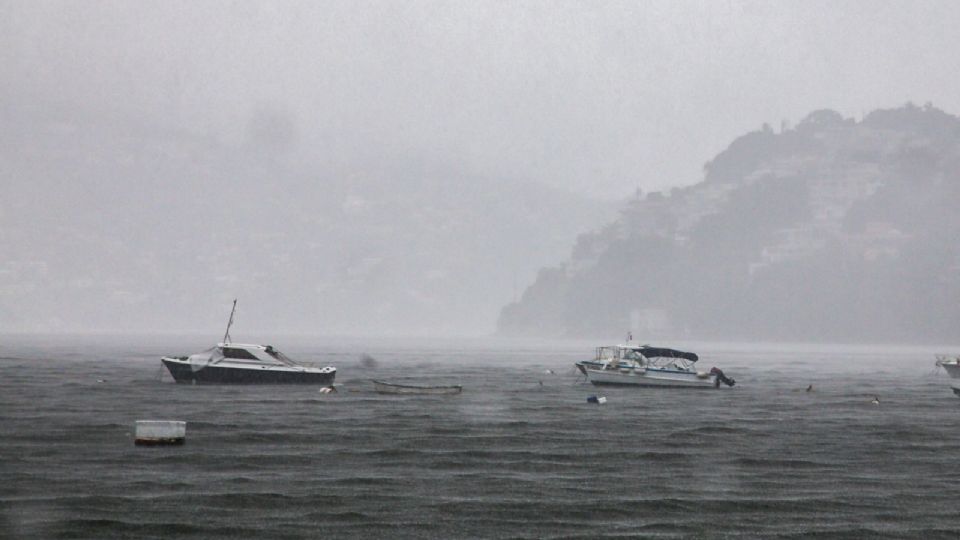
[605, 354]
[614, 354]
[279, 356]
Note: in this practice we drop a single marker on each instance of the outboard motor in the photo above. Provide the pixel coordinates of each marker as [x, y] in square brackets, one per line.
[721, 378]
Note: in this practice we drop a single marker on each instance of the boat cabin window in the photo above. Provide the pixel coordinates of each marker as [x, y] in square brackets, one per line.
[240, 354]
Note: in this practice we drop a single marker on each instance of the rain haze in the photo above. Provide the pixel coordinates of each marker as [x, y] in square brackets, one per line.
[512, 269]
[370, 168]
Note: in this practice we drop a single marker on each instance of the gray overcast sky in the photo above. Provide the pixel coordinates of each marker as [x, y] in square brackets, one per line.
[595, 97]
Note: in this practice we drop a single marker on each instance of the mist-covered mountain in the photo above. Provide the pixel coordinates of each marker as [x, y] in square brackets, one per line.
[833, 230]
[111, 225]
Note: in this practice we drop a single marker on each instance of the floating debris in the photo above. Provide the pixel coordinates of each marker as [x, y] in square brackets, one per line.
[160, 432]
[810, 388]
[392, 388]
[876, 400]
[328, 390]
[599, 400]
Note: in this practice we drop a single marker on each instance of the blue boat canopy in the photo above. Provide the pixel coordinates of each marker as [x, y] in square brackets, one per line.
[660, 352]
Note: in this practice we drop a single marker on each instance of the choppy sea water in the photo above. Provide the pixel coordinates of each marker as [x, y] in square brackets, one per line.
[519, 454]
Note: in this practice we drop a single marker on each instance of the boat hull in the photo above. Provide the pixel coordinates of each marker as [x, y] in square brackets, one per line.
[184, 373]
[952, 369]
[648, 377]
[950, 364]
[400, 389]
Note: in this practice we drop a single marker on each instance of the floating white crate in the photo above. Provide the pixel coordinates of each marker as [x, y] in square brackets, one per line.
[150, 432]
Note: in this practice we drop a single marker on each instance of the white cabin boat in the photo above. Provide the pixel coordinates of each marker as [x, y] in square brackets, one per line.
[240, 363]
[643, 365]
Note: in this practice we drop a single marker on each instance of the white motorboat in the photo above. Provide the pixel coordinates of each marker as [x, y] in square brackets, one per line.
[238, 363]
[644, 365]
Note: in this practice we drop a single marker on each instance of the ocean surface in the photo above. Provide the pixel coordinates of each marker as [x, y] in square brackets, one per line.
[520, 454]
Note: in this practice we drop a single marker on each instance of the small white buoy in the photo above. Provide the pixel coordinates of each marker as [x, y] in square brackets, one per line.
[160, 432]
[101, 380]
[876, 400]
[549, 372]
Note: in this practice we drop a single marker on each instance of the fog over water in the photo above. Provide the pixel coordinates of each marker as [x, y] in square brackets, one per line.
[479, 194]
[387, 168]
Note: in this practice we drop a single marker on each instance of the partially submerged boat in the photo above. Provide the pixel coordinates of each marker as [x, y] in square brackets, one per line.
[392, 388]
[643, 365]
[241, 363]
[950, 364]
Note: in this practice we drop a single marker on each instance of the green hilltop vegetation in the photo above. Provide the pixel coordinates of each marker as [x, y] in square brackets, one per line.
[833, 230]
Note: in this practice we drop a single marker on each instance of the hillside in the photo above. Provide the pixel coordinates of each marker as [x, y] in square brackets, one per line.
[834, 230]
[114, 226]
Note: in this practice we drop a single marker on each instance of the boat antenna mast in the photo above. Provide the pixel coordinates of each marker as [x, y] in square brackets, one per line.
[226, 335]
